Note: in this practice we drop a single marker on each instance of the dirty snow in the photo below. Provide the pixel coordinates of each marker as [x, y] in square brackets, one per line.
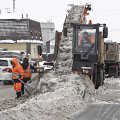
[60, 91]
[60, 99]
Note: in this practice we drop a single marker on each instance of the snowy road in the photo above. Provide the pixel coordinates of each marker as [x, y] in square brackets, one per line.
[108, 107]
[66, 102]
[7, 92]
[7, 96]
[100, 112]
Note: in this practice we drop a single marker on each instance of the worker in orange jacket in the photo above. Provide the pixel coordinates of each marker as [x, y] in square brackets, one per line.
[27, 68]
[86, 39]
[17, 71]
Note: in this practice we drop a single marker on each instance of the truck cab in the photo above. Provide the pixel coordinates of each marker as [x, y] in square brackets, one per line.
[112, 63]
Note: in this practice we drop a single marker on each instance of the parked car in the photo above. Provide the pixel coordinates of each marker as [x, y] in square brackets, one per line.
[6, 69]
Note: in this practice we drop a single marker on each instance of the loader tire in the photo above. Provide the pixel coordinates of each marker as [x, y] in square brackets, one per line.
[116, 75]
[100, 78]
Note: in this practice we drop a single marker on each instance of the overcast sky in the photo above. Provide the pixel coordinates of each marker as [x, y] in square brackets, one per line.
[104, 11]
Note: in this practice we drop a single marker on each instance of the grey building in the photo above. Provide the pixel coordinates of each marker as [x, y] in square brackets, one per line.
[48, 33]
[20, 29]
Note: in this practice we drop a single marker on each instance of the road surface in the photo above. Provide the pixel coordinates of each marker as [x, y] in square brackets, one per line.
[101, 112]
[7, 96]
[108, 107]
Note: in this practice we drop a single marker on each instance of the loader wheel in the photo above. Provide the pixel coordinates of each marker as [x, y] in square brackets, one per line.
[116, 75]
[100, 80]
[101, 77]
[95, 81]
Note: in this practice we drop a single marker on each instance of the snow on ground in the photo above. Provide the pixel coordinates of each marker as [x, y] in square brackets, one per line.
[60, 103]
[60, 91]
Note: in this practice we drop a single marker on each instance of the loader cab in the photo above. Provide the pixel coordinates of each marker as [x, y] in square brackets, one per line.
[88, 50]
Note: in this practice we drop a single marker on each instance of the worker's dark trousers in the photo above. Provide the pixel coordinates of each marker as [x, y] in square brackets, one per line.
[18, 94]
[22, 87]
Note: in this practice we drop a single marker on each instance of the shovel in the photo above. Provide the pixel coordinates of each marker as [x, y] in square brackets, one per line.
[28, 88]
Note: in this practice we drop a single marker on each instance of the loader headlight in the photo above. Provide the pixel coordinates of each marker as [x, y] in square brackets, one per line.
[86, 70]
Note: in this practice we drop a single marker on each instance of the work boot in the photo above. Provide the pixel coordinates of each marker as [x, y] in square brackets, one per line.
[18, 95]
[22, 92]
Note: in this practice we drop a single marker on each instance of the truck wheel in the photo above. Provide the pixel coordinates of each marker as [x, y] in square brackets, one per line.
[116, 75]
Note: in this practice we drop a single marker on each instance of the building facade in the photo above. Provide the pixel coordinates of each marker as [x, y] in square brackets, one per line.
[50, 46]
[48, 34]
[20, 29]
[31, 47]
[18, 33]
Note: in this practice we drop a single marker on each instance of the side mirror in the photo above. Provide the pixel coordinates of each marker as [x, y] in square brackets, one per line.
[105, 32]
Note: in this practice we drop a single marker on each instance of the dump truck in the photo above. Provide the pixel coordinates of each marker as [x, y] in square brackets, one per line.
[88, 54]
[112, 60]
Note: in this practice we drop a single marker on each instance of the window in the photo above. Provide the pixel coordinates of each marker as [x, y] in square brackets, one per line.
[85, 35]
[85, 40]
[35, 51]
[3, 63]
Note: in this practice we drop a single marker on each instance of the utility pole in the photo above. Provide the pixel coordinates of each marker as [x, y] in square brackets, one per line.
[13, 6]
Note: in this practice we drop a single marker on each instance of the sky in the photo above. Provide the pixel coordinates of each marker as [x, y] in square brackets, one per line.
[103, 11]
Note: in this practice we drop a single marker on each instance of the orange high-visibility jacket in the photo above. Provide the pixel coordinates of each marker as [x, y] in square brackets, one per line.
[90, 38]
[17, 69]
[27, 72]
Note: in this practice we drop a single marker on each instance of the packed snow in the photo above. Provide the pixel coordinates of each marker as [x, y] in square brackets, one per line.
[59, 92]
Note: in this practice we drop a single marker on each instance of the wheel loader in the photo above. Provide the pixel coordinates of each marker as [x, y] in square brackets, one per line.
[88, 53]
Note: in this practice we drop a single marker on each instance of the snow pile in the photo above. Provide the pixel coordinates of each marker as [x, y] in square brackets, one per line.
[109, 91]
[61, 91]
[59, 102]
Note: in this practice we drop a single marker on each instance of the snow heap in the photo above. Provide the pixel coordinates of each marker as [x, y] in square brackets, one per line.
[60, 90]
